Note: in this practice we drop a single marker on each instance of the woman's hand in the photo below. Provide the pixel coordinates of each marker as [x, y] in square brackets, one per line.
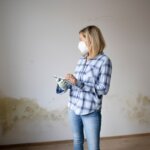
[71, 78]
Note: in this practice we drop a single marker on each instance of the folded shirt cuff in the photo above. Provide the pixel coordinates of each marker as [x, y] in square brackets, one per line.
[79, 84]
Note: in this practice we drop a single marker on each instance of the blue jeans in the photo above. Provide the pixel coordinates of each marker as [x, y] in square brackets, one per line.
[91, 124]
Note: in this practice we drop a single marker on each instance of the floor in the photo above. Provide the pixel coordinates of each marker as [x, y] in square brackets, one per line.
[122, 143]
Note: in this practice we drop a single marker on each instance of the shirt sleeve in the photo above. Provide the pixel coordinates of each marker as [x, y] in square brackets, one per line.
[102, 84]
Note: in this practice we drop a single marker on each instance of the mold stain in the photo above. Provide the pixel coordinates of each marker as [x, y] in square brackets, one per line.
[13, 110]
[139, 109]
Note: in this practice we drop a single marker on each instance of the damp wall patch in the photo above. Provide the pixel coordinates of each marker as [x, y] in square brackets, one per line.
[138, 109]
[13, 110]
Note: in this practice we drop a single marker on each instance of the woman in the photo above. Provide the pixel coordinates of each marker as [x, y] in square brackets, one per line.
[89, 83]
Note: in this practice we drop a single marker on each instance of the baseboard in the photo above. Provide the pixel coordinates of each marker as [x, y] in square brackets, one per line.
[125, 136]
[70, 141]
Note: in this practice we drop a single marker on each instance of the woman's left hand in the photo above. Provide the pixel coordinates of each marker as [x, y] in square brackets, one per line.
[71, 78]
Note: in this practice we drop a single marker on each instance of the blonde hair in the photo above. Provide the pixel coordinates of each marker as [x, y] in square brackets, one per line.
[94, 38]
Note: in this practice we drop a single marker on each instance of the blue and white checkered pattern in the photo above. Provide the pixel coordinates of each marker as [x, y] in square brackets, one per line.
[93, 81]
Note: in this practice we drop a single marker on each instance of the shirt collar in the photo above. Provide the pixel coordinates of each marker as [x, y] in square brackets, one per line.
[96, 57]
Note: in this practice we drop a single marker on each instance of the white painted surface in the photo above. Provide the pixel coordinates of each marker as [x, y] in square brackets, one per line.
[39, 39]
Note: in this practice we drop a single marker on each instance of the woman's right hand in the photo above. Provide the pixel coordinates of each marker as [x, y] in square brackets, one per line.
[71, 78]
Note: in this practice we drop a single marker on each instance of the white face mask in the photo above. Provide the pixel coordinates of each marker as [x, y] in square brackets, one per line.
[83, 48]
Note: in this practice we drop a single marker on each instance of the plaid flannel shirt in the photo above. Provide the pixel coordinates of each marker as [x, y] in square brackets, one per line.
[93, 81]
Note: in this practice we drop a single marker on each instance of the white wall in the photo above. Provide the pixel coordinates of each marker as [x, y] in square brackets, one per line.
[38, 38]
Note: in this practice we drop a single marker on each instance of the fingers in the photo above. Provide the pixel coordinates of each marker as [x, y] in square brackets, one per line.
[68, 76]
[71, 78]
